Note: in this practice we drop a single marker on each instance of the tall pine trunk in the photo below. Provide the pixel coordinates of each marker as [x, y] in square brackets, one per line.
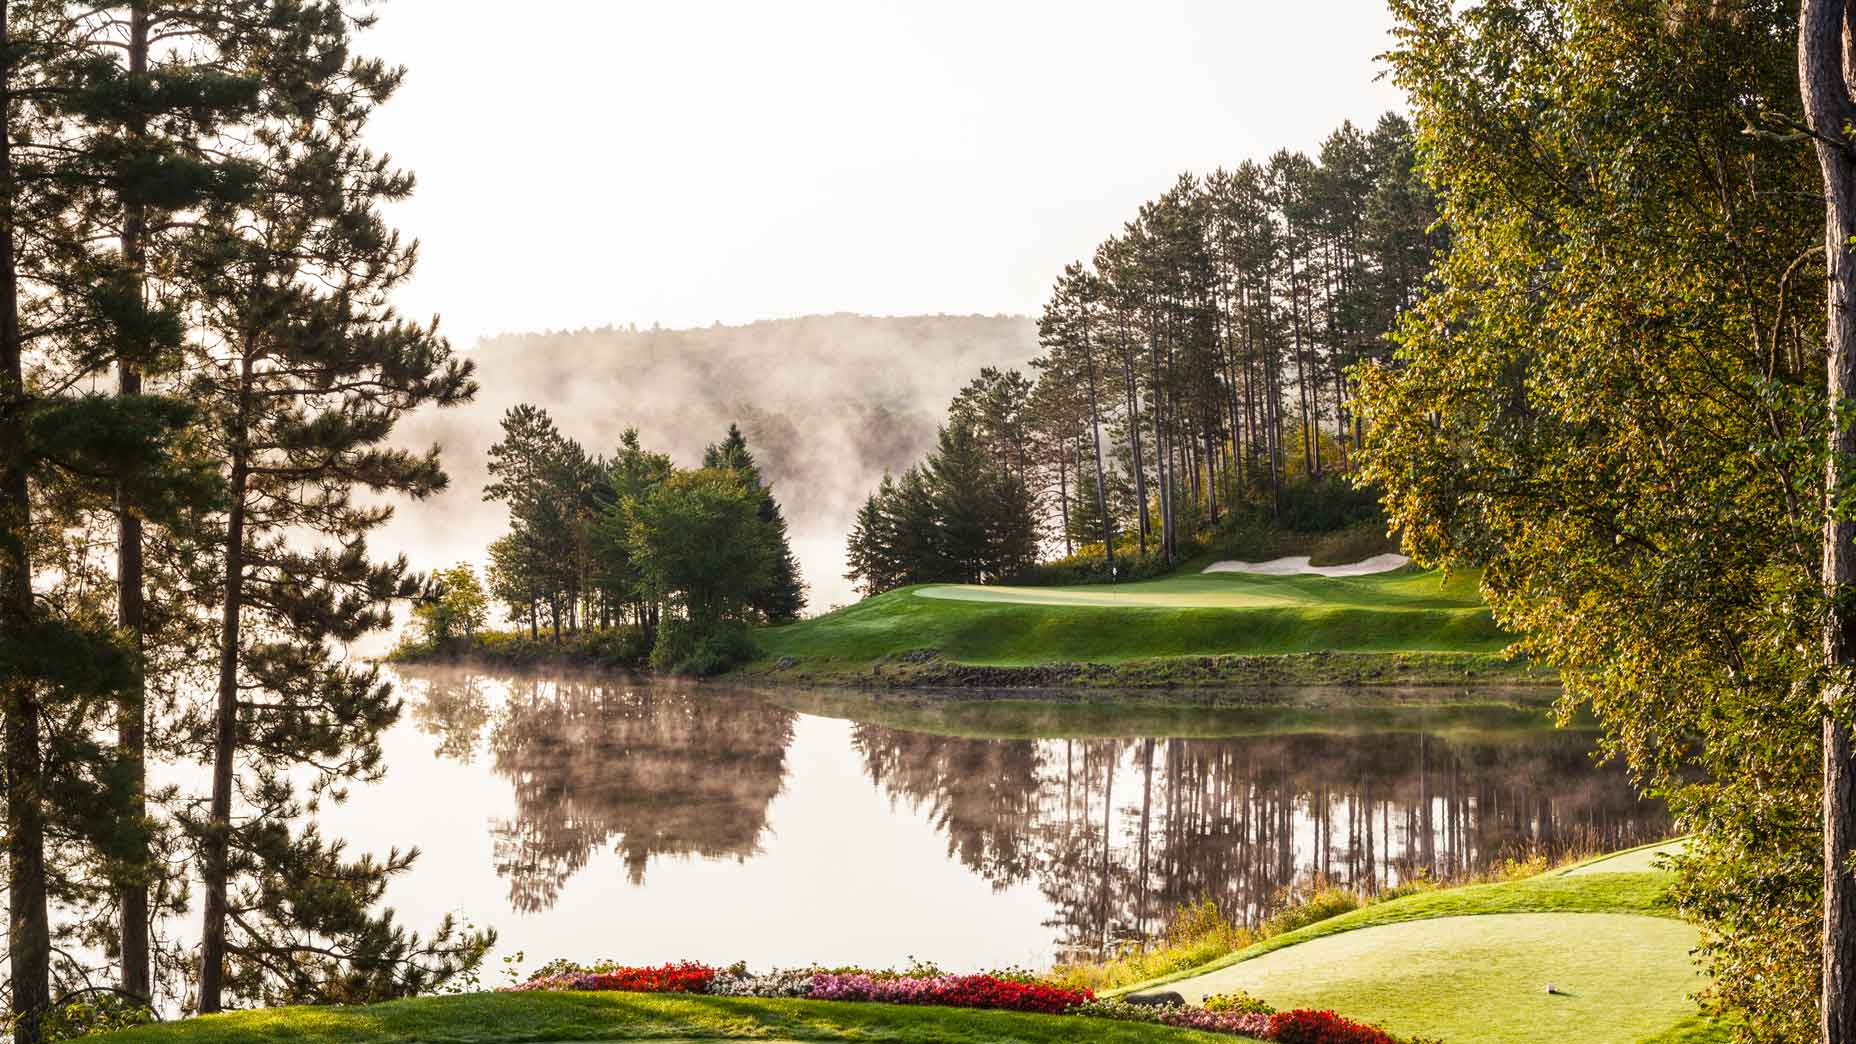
[1095, 456]
[1824, 65]
[29, 943]
[131, 728]
[1132, 391]
[215, 868]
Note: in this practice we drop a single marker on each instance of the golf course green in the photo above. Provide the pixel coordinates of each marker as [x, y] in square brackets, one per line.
[1406, 611]
[1474, 965]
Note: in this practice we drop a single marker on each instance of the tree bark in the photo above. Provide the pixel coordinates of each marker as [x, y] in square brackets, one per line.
[215, 869]
[1095, 442]
[131, 728]
[1824, 79]
[28, 916]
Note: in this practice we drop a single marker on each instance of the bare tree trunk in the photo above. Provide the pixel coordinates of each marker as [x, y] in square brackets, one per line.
[1824, 77]
[1063, 493]
[29, 943]
[216, 866]
[1133, 392]
[131, 728]
[1095, 446]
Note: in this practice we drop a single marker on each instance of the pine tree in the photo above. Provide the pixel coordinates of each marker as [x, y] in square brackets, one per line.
[304, 370]
[785, 594]
[75, 311]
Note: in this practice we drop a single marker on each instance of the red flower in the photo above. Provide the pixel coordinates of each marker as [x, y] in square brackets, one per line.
[1306, 1026]
[683, 977]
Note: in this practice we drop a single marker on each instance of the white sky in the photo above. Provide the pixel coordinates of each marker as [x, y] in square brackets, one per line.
[584, 162]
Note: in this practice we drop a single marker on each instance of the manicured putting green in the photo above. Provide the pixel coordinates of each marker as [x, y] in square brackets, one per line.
[1398, 589]
[1190, 614]
[1482, 980]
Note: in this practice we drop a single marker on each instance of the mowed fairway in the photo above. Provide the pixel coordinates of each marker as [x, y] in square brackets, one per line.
[1619, 978]
[1471, 965]
[1192, 614]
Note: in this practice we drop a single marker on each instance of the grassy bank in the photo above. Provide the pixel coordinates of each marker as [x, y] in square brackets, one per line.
[1471, 964]
[1407, 627]
[493, 1018]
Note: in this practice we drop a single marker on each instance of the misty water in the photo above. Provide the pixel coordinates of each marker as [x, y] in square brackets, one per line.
[607, 818]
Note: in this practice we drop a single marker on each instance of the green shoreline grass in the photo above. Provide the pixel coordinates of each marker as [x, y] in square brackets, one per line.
[1407, 627]
[584, 1017]
[1470, 964]
[1406, 610]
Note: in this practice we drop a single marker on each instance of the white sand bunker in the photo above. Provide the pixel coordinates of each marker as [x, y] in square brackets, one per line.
[1299, 564]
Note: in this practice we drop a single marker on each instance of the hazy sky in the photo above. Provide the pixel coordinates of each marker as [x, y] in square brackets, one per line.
[584, 162]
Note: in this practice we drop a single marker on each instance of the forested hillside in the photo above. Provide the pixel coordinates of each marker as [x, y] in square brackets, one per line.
[828, 402]
[1197, 371]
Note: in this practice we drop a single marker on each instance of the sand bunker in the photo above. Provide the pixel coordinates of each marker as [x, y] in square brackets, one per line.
[1299, 564]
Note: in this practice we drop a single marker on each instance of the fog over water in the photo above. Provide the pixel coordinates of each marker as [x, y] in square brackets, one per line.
[828, 404]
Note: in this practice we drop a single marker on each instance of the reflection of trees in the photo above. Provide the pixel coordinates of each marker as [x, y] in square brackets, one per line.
[454, 711]
[1118, 833]
[979, 793]
[654, 770]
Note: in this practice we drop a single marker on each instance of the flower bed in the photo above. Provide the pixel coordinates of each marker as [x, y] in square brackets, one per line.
[954, 991]
[1009, 990]
[682, 977]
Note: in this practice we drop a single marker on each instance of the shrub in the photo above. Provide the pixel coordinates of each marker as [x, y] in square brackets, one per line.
[685, 648]
[1088, 565]
[1239, 1002]
[1195, 934]
[1323, 903]
[1306, 1026]
[1353, 544]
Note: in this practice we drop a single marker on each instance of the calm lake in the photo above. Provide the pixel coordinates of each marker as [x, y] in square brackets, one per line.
[591, 818]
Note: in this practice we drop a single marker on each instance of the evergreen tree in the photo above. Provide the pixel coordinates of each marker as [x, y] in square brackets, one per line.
[785, 594]
[304, 370]
[75, 173]
[869, 548]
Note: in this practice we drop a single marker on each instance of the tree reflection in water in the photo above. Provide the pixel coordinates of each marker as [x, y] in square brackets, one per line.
[1119, 833]
[1115, 833]
[652, 769]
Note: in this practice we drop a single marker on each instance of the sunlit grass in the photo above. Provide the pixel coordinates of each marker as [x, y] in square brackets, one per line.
[496, 1018]
[1182, 615]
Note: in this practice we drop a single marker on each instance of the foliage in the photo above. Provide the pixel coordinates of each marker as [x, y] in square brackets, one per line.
[1611, 401]
[1193, 372]
[688, 558]
[1089, 564]
[961, 516]
[1240, 1002]
[455, 607]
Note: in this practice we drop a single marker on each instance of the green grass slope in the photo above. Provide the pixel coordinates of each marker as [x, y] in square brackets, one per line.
[1407, 610]
[1482, 979]
[1470, 965]
[487, 1018]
